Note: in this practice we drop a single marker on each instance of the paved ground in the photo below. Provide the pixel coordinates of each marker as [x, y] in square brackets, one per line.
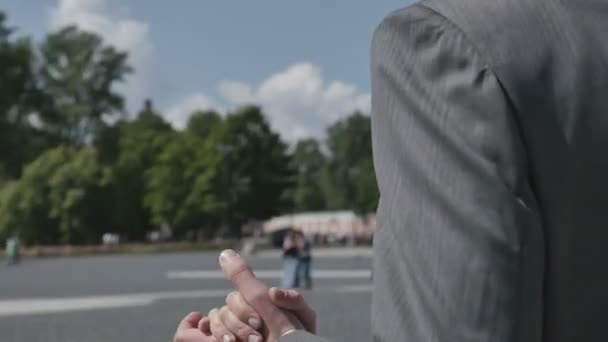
[141, 298]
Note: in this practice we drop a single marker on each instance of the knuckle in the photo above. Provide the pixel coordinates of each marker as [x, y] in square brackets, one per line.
[218, 331]
[231, 297]
[224, 312]
[241, 315]
[241, 268]
[241, 309]
[243, 331]
[259, 296]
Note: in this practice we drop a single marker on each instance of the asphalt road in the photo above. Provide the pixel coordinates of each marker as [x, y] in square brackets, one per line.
[141, 298]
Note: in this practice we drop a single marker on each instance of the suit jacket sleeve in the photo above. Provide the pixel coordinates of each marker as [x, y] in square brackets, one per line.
[451, 169]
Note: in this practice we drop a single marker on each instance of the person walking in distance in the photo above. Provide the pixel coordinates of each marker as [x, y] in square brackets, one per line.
[305, 262]
[291, 254]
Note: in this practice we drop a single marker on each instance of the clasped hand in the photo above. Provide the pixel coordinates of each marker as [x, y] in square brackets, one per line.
[253, 312]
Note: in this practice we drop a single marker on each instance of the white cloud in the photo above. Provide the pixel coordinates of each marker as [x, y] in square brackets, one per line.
[298, 101]
[113, 24]
[236, 92]
[179, 114]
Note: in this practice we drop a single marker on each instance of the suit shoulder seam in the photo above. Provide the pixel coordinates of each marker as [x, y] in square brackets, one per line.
[452, 25]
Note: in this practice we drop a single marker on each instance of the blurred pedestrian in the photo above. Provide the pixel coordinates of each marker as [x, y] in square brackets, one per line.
[303, 276]
[13, 251]
[291, 256]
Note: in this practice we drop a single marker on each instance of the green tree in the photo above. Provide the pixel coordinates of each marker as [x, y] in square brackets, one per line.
[203, 123]
[24, 210]
[349, 177]
[61, 197]
[239, 172]
[309, 163]
[132, 147]
[20, 142]
[180, 188]
[80, 195]
[78, 76]
[17, 86]
[255, 167]
[4, 178]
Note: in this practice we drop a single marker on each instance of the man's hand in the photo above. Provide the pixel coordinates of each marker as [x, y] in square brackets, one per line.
[292, 301]
[282, 311]
[239, 320]
[191, 329]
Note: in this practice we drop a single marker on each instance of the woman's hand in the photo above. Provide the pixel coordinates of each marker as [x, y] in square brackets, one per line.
[238, 321]
[192, 329]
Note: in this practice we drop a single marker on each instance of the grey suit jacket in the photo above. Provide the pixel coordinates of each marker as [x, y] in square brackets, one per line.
[490, 129]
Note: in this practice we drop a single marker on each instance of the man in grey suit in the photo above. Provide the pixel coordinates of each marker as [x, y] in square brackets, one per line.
[490, 128]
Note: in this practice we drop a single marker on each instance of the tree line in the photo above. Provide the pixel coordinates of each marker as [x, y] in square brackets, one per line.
[74, 165]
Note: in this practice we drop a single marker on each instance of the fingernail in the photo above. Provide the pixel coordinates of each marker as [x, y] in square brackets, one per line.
[227, 255]
[254, 323]
[254, 338]
[281, 294]
[227, 338]
[278, 293]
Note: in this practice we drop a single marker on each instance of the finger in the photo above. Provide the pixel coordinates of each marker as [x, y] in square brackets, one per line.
[253, 291]
[294, 301]
[218, 330]
[243, 311]
[192, 335]
[204, 325]
[190, 321]
[241, 330]
[187, 330]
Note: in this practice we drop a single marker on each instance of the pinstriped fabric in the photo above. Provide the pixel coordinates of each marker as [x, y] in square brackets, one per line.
[490, 126]
[551, 58]
[451, 169]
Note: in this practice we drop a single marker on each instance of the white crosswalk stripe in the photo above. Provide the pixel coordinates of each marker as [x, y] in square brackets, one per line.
[274, 274]
[35, 306]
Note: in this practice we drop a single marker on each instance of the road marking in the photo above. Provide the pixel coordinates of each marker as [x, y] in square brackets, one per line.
[57, 305]
[340, 252]
[274, 274]
[36, 306]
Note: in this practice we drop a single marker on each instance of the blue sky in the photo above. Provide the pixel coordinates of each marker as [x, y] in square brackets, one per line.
[306, 62]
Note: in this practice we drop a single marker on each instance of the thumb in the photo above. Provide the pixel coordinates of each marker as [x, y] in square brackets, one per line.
[255, 293]
[293, 301]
